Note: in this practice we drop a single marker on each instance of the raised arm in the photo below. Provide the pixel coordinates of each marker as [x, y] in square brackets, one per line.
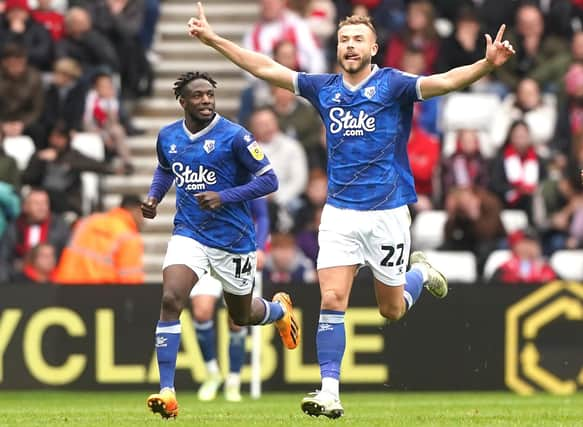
[497, 53]
[257, 64]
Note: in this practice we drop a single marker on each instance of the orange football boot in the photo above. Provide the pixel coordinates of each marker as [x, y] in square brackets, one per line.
[164, 403]
[288, 327]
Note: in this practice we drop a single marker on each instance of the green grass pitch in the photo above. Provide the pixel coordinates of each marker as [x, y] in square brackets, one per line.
[120, 409]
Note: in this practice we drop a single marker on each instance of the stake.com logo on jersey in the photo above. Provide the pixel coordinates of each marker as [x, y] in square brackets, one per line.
[193, 179]
[345, 122]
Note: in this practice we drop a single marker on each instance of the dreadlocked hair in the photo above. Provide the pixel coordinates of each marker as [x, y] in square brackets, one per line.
[186, 78]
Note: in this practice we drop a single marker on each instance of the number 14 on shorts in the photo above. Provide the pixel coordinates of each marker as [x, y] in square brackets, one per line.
[242, 266]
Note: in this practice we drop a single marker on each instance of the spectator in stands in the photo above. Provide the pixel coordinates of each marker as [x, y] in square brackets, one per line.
[570, 120]
[121, 21]
[388, 16]
[9, 187]
[258, 93]
[51, 19]
[473, 222]
[425, 114]
[9, 172]
[419, 34]
[296, 118]
[318, 154]
[102, 115]
[64, 97]
[307, 238]
[527, 265]
[540, 113]
[289, 163]
[466, 167]
[17, 26]
[58, 169]
[278, 23]
[39, 266]
[541, 58]
[35, 225]
[562, 200]
[516, 171]
[312, 199]
[424, 150]
[105, 248]
[86, 45]
[21, 94]
[465, 44]
[320, 16]
[307, 218]
[151, 16]
[552, 195]
[286, 263]
[490, 12]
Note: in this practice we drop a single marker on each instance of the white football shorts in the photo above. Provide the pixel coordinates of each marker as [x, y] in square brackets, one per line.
[207, 285]
[380, 239]
[234, 271]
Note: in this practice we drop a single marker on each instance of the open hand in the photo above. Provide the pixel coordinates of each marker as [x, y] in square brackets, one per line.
[199, 27]
[498, 52]
[149, 208]
[208, 200]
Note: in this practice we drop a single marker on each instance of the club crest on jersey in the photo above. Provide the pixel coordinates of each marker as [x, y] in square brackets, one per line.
[369, 92]
[256, 151]
[172, 149]
[209, 145]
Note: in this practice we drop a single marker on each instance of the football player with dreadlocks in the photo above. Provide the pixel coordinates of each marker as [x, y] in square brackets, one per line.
[217, 167]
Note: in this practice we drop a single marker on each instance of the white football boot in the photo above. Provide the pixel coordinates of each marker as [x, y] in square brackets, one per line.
[322, 403]
[436, 282]
[208, 389]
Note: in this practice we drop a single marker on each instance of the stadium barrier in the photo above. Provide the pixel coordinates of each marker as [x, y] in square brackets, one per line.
[480, 338]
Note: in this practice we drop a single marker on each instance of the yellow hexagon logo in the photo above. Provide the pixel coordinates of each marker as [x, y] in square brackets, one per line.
[524, 371]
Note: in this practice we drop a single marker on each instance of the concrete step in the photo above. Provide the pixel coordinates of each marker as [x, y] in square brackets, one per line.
[177, 30]
[166, 209]
[215, 12]
[227, 87]
[169, 107]
[217, 66]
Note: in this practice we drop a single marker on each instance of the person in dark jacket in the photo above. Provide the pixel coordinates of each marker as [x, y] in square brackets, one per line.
[65, 97]
[21, 93]
[58, 169]
[84, 44]
[36, 224]
[17, 26]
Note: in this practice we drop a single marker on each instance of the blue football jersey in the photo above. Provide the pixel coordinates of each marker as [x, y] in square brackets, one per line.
[222, 155]
[367, 130]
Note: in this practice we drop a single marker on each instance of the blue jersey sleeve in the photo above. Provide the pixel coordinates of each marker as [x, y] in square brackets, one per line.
[309, 86]
[250, 154]
[162, 160]
[405, 87]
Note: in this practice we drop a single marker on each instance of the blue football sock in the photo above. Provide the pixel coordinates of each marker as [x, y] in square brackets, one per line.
[207, 339]
[413, 286]
[273, 312]
[237, 350]
[167, 344]
[330, 343]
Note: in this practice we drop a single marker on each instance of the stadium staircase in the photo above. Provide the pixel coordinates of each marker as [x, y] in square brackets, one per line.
[178, 53]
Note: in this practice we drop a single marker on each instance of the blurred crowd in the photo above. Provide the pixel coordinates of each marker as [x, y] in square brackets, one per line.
[71, 73]
[512, 141]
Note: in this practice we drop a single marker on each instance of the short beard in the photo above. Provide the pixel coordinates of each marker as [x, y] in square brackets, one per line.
[366, 62]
